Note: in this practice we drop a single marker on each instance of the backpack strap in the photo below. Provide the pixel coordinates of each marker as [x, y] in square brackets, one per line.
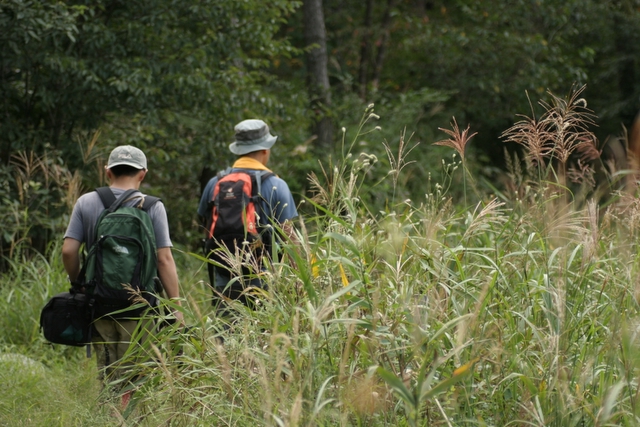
[224, 172]
[149, 201]
[266, 233]
[256, 189]
[212, 202]
[110, 202]
[109, 199]
[106, 195]
[260, 176]
[260, 202]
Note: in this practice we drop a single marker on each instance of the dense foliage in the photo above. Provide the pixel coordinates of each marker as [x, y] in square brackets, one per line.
[174, 77]
[168, 66]
[487, 54]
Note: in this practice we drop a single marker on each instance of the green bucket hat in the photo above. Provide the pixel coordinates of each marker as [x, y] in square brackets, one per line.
[252, 135]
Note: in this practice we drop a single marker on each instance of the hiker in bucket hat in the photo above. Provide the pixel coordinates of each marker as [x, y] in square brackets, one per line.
[275, 210]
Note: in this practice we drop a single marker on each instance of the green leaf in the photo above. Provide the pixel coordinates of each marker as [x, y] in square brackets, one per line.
[397, 386]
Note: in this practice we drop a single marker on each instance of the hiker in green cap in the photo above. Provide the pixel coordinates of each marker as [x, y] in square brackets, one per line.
[126, 169]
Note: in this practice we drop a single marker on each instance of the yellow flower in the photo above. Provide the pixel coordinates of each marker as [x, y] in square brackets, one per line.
[343, 276]
[315, 270]
[464, 368]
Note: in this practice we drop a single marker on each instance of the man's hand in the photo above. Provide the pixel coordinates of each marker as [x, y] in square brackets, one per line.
[179, 317]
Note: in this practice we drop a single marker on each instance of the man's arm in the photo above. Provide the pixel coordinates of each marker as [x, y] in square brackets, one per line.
[71, 257]
[169, 277]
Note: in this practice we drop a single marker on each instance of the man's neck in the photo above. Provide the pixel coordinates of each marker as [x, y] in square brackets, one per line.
[260, 155]
[125, 183]
[249, 163]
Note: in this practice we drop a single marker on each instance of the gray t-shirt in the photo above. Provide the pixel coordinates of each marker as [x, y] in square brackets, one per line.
[89, 207]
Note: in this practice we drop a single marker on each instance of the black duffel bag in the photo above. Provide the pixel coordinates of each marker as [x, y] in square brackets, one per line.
[67, 319]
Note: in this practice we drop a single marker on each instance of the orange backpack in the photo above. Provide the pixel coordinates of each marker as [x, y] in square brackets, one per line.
[236, 210]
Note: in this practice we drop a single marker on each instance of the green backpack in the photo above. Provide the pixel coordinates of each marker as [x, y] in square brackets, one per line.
[122, 261]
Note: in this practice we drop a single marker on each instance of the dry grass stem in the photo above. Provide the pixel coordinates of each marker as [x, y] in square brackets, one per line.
[398, 163]
[562, 130]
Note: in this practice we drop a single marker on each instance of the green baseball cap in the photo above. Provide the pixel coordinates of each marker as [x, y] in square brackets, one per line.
[127, 155]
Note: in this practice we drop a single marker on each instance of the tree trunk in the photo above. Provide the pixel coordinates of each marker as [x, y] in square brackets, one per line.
[318, 75]
[382, 44]
[365, 44]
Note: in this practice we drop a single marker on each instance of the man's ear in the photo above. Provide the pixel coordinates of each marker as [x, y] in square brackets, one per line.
[142, 174]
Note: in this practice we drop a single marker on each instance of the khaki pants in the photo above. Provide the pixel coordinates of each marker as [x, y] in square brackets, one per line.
[111, 341]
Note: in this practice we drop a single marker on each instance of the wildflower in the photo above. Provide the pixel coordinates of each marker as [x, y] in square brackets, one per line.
[315, 270]
[458, 140]
[343, 276]
[465, 368]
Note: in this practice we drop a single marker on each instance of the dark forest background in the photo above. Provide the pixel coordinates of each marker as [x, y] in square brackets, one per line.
[78, 78]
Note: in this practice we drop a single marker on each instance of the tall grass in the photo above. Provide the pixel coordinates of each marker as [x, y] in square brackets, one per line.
[518, 310]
